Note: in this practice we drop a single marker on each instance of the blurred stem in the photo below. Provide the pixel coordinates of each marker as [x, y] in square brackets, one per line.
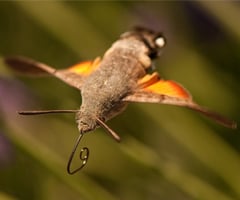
[4, 196]
[49, 160]
[65, 24]
[188, 183]
[203, 143]
[226, 12]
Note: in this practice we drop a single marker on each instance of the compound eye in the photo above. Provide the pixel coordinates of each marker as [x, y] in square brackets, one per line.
[160, 42]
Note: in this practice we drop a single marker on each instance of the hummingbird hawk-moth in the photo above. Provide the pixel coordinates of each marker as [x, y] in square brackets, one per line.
[107, 85]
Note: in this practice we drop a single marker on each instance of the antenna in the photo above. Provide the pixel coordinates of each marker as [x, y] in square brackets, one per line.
[41, 112]
[108, 130]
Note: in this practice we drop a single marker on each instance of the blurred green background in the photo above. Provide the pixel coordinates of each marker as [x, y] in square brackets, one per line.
[166, 152]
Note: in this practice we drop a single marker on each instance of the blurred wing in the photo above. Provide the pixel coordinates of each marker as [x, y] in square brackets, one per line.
[72, 76]
[27, 66]
[152, 89]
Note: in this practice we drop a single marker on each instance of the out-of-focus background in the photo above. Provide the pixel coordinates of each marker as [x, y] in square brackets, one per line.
[166, 152]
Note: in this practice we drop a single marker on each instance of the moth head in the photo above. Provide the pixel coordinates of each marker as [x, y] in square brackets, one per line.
[85, 122]
[153, 40]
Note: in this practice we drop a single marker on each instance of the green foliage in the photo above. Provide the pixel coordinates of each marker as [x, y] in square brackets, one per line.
[166, 152]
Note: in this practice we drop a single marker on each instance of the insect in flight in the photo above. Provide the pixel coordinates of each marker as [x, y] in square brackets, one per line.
[107, 85]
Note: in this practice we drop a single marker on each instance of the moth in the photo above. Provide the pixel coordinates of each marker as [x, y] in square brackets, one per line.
[107, 85]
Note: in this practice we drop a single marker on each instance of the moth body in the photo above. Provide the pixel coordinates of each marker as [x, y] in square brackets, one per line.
[116, 77]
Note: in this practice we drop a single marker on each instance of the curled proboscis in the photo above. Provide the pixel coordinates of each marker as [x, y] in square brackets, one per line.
[83, 156]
